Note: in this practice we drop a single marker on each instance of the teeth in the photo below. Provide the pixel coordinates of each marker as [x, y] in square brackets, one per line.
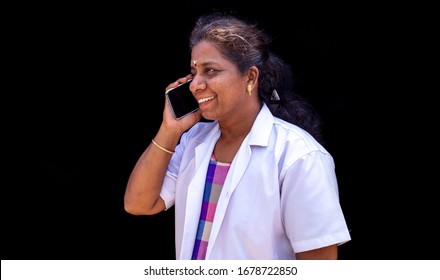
[205, 99]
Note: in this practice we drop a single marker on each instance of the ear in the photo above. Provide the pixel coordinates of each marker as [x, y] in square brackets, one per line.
[253, 73]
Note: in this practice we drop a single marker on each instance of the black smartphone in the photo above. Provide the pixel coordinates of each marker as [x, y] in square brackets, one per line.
[181, 100]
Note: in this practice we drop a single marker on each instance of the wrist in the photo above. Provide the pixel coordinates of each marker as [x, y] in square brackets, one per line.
[160, 147]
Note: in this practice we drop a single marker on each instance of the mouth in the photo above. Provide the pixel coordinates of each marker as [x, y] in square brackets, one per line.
[206, 99]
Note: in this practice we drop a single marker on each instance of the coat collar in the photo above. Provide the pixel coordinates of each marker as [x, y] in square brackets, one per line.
[262, 127]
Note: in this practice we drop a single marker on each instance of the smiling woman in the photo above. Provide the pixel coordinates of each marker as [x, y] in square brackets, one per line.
[253, 183]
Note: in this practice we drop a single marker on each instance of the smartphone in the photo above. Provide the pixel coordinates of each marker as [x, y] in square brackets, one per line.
[181, 100]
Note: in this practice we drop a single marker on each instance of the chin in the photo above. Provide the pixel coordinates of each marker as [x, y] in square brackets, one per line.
[208, 117]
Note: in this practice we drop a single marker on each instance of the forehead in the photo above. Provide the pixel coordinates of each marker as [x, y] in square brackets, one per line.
[206, 52]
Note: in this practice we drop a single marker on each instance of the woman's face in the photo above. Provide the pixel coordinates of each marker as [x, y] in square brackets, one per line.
[217, 84]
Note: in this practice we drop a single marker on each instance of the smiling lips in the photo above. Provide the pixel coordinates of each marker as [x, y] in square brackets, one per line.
[203, 100]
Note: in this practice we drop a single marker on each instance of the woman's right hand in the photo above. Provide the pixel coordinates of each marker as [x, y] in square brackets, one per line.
[178, 126]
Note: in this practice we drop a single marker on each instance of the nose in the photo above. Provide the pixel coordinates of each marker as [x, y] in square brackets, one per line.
[197, 84]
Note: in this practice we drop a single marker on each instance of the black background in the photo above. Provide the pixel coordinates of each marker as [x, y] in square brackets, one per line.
[87, 95]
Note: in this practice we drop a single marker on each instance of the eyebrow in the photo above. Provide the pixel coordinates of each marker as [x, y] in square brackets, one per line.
[205, 64]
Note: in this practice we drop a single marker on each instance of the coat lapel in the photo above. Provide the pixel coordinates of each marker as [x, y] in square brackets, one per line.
[236, 172]
[195, 190]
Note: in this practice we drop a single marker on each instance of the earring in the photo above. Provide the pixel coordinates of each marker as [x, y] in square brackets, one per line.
[249, 89]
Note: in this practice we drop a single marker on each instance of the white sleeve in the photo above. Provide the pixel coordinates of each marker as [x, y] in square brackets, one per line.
[310, 206]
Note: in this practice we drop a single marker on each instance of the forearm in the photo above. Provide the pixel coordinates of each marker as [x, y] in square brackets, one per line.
[142, 195]
[325, 253]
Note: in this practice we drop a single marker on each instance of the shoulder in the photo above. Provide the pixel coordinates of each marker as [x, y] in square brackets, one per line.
[269, 130]
[289, 132]
[291, 139]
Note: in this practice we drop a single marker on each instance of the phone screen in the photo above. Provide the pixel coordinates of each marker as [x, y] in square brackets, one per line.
[181, 100]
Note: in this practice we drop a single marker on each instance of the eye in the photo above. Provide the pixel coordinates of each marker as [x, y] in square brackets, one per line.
[210, 71]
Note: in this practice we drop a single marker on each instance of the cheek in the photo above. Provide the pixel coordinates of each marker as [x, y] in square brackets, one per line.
[232, 90]
[228, 88]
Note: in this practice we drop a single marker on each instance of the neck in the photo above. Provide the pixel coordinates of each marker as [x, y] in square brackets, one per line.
[239, 127]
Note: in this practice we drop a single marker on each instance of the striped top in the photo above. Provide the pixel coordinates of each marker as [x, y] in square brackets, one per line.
[215, 179]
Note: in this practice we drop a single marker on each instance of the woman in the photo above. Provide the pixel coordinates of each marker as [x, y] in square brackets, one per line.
[254, 183]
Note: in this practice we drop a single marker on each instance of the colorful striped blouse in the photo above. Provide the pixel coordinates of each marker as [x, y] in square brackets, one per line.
[215, 179]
